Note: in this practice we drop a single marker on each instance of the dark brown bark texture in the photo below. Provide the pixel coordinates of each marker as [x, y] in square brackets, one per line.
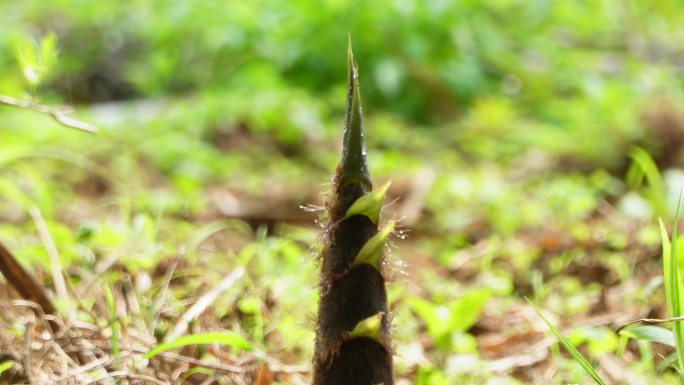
[25, 284]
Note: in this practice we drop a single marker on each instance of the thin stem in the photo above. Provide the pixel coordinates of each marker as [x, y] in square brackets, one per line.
[650, 321]
[58, 115]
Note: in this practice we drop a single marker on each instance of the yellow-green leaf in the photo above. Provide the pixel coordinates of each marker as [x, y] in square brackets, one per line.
[221, 338]
[369, 328]
[371, 252]
[5, 366]
[370, 204]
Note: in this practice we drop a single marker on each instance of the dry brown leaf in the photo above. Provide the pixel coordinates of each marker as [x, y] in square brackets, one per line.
[264, 376]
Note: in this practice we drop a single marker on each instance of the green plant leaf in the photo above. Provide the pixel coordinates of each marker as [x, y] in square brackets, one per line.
[370, 204]
[644, 166]
[371, 252]
[436, 318]
[48, 53]
[651, 333]
[369, 328]
[36, 61]
[25, 54]
[5, 366]
[465, 311]
[571, 349]
[442, 320]
[222, 338]
[599, 339]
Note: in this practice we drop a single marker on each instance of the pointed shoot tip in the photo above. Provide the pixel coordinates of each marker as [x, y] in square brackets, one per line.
[354, 166]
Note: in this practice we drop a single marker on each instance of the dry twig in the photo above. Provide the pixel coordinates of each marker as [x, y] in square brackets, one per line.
[58, 115]
[207, 299]
[650, 321]
[25, 283]
[53, 254]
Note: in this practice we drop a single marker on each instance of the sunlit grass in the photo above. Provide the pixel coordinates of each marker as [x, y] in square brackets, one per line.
[221, 338]
[673, 287]
[576, 355]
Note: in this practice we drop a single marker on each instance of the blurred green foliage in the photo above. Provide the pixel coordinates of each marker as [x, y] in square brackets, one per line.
[519, 71]
[554, 129]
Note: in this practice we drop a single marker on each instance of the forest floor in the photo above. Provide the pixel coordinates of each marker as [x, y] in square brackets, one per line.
[161, 277]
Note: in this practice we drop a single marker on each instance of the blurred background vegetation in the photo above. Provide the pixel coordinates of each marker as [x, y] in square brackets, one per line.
[524, 140]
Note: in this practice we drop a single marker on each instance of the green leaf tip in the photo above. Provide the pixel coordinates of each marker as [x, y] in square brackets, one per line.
[371, 252]
[370, 204]
[36, 59]
[368, 328]
[354, 165]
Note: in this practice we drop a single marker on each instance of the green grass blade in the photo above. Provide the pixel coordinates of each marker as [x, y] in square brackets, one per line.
[674, 301]
[586, 365]
[649, 169]
[222, 338]
[667, 252]
[48, 53]
[667, 363]
[113, 319]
